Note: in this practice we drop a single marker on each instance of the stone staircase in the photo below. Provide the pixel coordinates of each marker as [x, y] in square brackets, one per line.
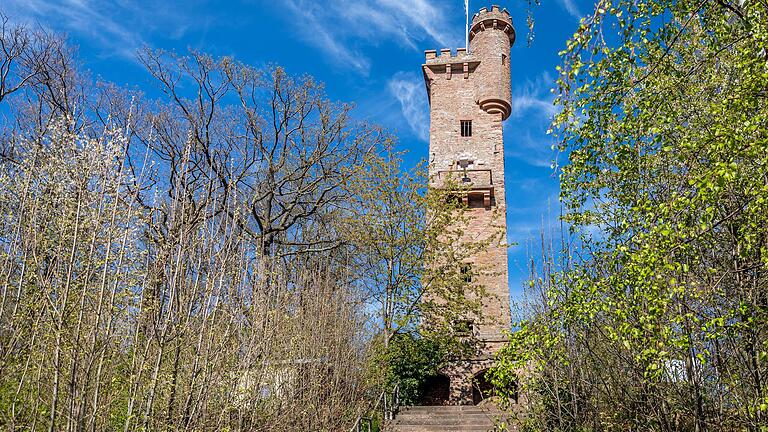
[447, 419]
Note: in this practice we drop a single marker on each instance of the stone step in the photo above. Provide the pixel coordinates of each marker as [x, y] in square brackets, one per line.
[449, 414]
[446, 428]
[441, 428]
[448, 409]
[445, 419]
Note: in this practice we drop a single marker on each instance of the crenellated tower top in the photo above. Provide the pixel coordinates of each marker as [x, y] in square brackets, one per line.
[491, 37]
[495, 19]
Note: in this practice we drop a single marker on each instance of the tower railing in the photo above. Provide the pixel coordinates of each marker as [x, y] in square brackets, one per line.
[387, 405]
[482, 178]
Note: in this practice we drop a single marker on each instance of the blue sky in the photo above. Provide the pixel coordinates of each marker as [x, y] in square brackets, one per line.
[366, 51]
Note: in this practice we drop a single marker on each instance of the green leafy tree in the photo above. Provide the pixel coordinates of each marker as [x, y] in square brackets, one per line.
[408, 242]
[409, 246]
[410, 361]
[659, 320]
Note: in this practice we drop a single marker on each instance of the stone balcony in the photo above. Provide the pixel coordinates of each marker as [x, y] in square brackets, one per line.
[469, 183]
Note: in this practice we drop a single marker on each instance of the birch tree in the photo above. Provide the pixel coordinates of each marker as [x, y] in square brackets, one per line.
[659, 322]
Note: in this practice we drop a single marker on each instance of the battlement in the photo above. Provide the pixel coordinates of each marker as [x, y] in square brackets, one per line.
[459, 58]
[490, 39]
[446, 54]
[496, 18]
[495, 12]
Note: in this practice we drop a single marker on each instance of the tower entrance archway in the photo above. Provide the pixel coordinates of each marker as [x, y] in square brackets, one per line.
[436, 390]
[483, 389]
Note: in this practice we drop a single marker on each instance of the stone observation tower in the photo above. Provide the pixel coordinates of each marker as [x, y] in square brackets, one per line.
[470, 96]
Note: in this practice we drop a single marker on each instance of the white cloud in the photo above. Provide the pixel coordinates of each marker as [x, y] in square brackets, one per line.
[335, 26]
[535, 97]
[319, 32]
[426, 16]
[339, 28]
[408, 88]
[542, 217]
[571, 7]
[115, 28]
[535, 150]
[532, 112]
[86, 17]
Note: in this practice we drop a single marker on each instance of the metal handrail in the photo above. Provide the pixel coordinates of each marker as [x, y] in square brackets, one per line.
[390, 404]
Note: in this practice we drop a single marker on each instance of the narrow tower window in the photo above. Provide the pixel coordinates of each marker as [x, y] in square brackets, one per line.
[466, 273]
[466, 128]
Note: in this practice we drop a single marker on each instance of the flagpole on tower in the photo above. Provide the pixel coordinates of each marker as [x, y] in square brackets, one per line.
[466, 27]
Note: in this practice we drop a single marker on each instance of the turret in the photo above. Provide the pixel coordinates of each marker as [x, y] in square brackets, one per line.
[490, 39]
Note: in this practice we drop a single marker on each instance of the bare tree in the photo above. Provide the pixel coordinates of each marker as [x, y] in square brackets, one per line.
[166, 265]
[277, 149]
